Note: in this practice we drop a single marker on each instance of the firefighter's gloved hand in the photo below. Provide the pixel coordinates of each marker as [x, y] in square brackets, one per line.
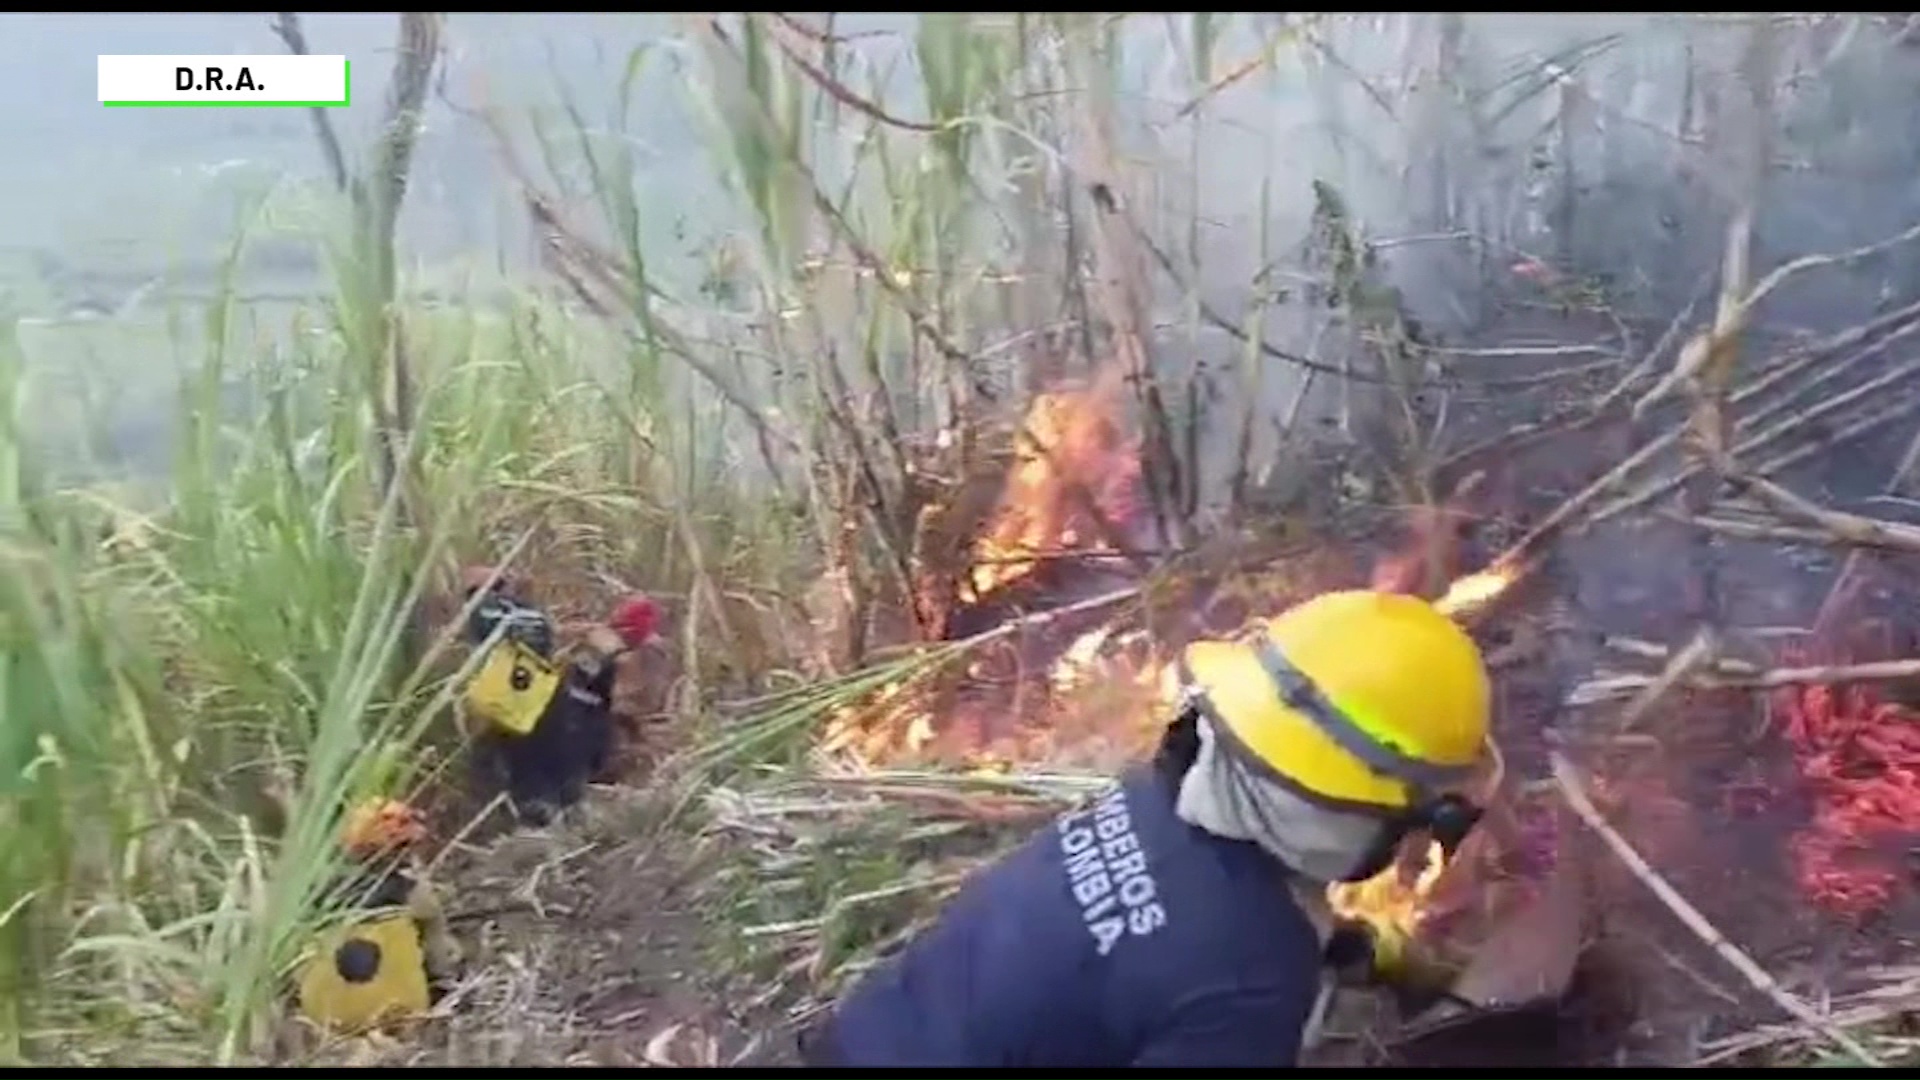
[1350, 954]
[1363, 954]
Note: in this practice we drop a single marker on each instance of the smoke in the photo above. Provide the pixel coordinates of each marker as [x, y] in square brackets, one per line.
[1607, 147]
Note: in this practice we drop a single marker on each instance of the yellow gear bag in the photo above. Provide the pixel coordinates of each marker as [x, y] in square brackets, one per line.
[513, 687]
[365, 974]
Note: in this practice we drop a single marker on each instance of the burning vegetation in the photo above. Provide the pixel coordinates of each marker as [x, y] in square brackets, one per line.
[1092, 689]
[1072, 490]
[1066, 668]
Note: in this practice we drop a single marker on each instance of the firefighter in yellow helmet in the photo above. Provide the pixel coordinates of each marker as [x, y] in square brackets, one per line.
[1172, 921]
[384, 962]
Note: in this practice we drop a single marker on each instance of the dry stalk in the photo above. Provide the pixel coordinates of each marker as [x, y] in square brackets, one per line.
[286, 25]
[1827, 440]
[890, 525]
[923, 323]
[569, 255]
[1581, 803]
[829, 85]
[1802, 421]
[1121, 294]
[1667, 339]
[1611, 686]
[1699, 652]
[1841, 526]
[377, 197]
[1889, 1001]
[1751, 530]
[1654, 651]
[1895, 325]
[984, 807]
[1218, 321]
[1700, 348]
[1579, 417]
[1259, 61]
[1041, 619]
[1843, 587]
[1708, 365]
[1127, 331]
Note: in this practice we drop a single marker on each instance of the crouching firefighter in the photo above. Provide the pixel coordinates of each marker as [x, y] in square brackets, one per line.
[547, 721]
[389, 959]
[1179, 919]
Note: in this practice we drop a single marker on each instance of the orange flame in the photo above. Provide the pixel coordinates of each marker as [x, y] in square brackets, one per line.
[1390, 900]
[1074, 478]
[1074, 486]
[1469, 594]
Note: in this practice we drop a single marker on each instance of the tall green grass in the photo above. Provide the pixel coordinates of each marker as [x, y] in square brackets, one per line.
[197, 683]
[195, 687]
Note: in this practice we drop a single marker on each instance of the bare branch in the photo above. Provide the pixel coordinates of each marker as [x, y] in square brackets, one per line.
[286, 25]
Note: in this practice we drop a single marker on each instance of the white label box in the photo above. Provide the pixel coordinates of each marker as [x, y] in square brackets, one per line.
[212, 81]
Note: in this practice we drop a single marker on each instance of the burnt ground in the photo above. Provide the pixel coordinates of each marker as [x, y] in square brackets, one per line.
[1705, 785]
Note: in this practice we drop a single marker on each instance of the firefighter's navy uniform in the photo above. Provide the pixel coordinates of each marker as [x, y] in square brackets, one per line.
[1168, 923]
[1120, 935]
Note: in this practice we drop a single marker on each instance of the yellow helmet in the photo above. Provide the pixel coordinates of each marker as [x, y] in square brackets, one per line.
[1363, 700]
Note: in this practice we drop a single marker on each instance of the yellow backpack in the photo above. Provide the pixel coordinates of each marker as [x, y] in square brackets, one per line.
[365, 974]
[512, 689]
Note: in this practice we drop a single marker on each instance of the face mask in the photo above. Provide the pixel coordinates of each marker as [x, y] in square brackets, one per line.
[1223, 796]
[1380, 854]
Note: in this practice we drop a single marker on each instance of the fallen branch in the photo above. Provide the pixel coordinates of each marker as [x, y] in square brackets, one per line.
[1614, 686]
[1754, 530]
[1901, 322]
[978, 807]
[833, 87]
[1581, 803]
[1844, 583]
[1212, 317]
[1733, 316]
[1575, 509]
[1650, 650]
[1537, 539]
[1843, 526]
